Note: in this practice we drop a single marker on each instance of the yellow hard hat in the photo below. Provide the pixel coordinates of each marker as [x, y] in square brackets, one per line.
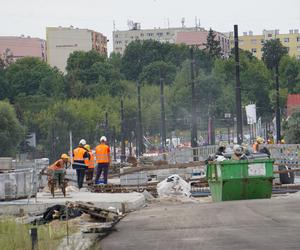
[64, 156]
[87, 147]
[259, 139]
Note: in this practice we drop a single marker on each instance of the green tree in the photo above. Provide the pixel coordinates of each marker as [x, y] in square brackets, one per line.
[273, 51]
[292, 130]
[156, 70]
[289, 71]
[11, 132]
[212, 45]
[90, 74]
[31, 76]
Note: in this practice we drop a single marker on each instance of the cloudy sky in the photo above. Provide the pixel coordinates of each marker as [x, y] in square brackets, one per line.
[30, 17]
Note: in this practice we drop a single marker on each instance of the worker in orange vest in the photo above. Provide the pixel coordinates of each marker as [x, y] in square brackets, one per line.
[60, 164]
[103, 159]
[90, 165]
[80, 154]
[259, 140]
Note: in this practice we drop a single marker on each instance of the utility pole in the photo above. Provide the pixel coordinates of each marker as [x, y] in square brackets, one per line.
[278, 122]
[114, 143]
[193, 110]
[106, 126]
[123, 154]
[162, 115]
[139, 136]
[238, 101]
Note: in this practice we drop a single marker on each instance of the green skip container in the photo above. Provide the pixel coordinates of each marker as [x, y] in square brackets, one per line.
[240, 180]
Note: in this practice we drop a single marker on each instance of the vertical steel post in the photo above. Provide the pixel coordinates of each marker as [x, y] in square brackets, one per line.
[140, 144]
[238, 100]
[193, 109]
[278, 122]
[162, 115]
[123, 153]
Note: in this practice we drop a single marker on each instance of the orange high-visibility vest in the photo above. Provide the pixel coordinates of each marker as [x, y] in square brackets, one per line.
[102, 153]
[90, 162]
[58, 165]
[255, 147]
[78, 154]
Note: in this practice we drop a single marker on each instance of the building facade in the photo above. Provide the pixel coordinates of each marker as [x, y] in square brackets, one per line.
[183, 35]
[62, 41]
[199, 38]
[14, 47]
[254, 43]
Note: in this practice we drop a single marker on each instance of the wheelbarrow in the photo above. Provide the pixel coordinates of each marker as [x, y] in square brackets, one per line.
[57, 180]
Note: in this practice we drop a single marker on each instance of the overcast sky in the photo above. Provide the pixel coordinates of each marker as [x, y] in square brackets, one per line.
[30, 17]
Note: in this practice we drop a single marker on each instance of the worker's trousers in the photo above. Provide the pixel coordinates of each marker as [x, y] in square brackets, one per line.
[80, 176]
[102, 167]
[89, 175]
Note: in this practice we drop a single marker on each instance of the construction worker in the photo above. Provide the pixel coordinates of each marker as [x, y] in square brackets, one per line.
[238, 153]
[80, 154]
[103, 159]
[56, 177]
[259, 140]
[60, 164]
[90, 164]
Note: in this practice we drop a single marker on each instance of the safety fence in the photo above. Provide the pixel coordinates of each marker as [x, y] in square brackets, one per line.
[288, 154]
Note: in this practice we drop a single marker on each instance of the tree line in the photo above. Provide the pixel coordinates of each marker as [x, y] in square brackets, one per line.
[38, 98]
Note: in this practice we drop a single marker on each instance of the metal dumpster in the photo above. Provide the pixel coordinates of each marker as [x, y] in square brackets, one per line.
[239, 180]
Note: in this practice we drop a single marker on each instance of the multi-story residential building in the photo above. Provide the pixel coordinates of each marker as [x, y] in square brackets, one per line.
[16, 47]
[199, 38]
[62, 41]
[254, 43]
[187, 35]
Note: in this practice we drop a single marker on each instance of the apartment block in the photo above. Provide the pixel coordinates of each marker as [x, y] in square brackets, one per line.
[196, 36]
[254, 43]
[16, 47]
[62, 41]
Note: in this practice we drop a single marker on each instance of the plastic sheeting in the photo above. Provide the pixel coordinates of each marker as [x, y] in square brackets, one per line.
[174, 185]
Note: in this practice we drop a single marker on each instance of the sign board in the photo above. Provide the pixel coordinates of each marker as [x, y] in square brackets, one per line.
[257, 169]
[251, 113]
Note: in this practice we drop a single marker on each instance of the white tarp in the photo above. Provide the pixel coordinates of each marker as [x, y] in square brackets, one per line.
[174, 185]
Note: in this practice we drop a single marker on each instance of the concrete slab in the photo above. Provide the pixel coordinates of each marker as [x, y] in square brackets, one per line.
[251, 224]
[132, 201]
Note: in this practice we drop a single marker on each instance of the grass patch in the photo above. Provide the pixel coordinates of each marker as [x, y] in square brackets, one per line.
[14, 235]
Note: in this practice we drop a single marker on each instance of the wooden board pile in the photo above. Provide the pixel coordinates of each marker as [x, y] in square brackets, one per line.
[100, 214]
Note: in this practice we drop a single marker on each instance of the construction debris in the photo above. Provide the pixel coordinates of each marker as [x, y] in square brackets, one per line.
[174, 185]
[115, 188]
[102, 215]
[60, 212]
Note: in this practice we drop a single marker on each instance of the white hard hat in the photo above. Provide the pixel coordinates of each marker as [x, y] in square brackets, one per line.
[237, 149]
[82, 142]
[103, 138]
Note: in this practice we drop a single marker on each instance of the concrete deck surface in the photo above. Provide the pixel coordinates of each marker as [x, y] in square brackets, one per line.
[251, 224]
[132, 201]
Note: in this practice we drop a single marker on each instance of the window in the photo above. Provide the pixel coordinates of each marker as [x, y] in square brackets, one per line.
[298, 39]
[142, 34]
[262, 41]
[149, 34]
[253, 51]
[253, 41]
[168, 33]
[241, 42]
[298, 48]
[159, 34]
[269, 35]
[286, 39]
